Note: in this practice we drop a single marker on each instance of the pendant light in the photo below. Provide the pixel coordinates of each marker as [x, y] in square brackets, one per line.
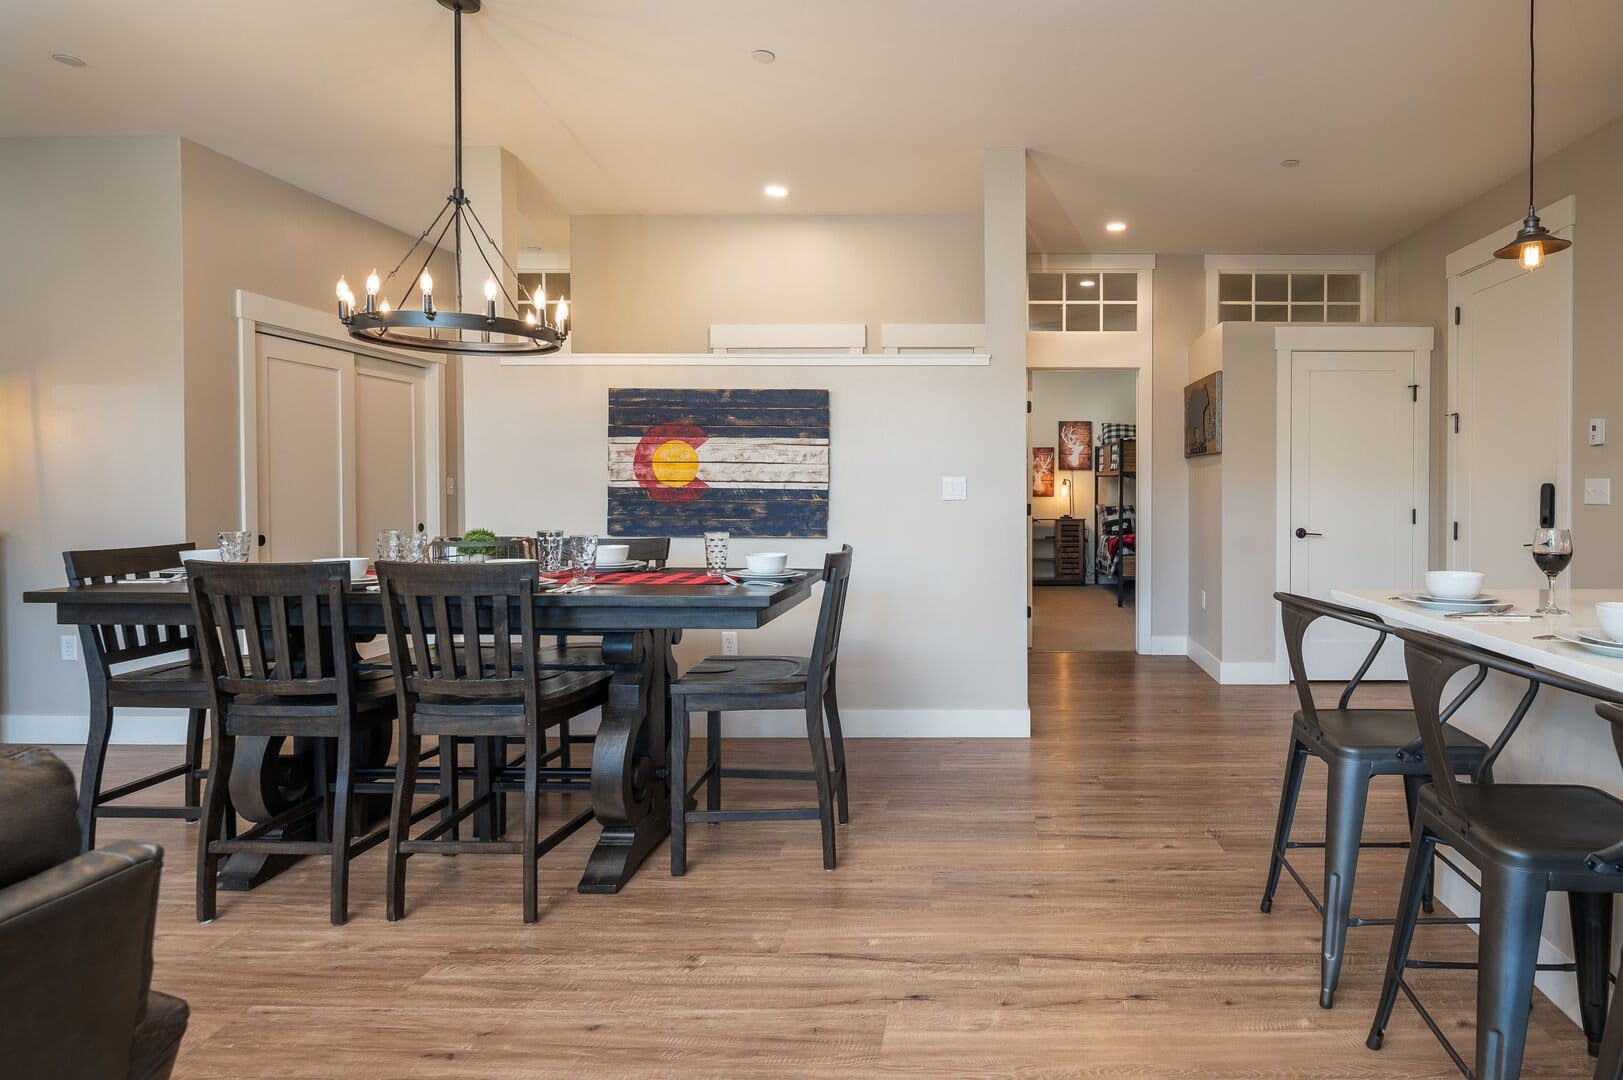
[1533, 241]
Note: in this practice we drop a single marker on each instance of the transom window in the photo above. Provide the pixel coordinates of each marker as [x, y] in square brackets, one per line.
[1082, 301]
[553, 284]
[1290, 297]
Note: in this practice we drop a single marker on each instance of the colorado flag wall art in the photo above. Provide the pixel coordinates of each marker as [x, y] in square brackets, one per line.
[750, 462]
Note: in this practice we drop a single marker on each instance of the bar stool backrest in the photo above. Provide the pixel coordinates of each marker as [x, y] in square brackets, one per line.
[1296, 614]
[451, 629]
[276, 629]
[654, 550]
[1433, 661]
[122, 644]
[831, 616]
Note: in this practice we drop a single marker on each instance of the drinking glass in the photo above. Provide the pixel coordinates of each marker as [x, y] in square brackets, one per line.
[235, 545]
[393, 545]
[551, 551]
[417, 547]
[715, 553]
[1552, 551]
[583, 557]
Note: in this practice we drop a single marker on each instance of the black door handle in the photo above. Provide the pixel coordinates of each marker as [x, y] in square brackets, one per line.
[1303, 534]
[261, 539]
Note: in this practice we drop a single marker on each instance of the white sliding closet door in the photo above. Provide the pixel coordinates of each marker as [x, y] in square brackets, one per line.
[391, 462]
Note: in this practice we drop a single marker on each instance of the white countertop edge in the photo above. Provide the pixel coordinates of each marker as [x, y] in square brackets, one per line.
[1511, 639]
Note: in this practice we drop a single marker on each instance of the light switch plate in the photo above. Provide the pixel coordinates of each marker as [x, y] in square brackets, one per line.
[1598, 492]
[954, 488]
[1597, 432]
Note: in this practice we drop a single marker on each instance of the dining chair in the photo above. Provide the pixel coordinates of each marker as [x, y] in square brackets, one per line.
[1527, 841]
[1356, 745]
[170, 676]
[467, 664]
[653, 550]
[746, 683]
[278, 654]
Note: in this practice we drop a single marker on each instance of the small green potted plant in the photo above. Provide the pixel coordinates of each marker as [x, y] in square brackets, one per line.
[477, 545]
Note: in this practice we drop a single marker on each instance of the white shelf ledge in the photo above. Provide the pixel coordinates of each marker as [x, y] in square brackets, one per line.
[772, 359]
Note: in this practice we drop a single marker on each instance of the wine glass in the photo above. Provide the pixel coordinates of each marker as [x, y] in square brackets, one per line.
[1552, 551]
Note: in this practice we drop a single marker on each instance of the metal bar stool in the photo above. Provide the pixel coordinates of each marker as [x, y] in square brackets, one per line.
[1527, 840]
[1356, 746]
[766, 682]
[175, 682]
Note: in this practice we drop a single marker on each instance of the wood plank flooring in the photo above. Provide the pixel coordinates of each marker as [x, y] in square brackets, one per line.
[1083, 904]
[1080, 618]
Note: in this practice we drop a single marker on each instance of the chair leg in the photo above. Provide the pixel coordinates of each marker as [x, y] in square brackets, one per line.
[449, 785]
[825, 793]
[405, 783]
[712, 760]
[340, 827]
[563, 743]
[1295, 763]
[101, 730]
[323, 784]
[196, 721]
[1592, 947]
[1411, 802]
[1421, 847]
[836, 738]
[532, 799]
[1343, 827]
[1512, 916]
[1610, 1065]
[678, 779]
[212, 822]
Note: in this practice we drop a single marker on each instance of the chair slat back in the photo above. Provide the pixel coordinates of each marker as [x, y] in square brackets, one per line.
[831, 615]
[273, 628]
[119, 643]
[452, 629]
[654, 550]
[1296, 614]
[1433, 661]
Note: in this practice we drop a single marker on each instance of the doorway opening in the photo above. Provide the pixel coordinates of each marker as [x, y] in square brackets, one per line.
[1083, 436]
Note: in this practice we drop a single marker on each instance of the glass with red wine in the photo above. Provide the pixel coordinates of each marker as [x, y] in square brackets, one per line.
[1552, 551]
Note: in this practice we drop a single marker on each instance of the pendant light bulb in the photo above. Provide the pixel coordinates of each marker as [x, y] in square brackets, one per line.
[1532, 256]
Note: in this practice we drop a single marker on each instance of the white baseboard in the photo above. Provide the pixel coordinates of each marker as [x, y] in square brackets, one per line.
[157, 727]
[131, 727]
[1234, 672]
[1167, 645]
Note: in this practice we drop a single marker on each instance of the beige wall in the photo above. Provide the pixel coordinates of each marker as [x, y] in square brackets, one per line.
[935, 625]
[766, 269]
[91, 385]
[1411, 286]
[1099, 396]
[244, 229]
[1180, 318]
[1204, 476]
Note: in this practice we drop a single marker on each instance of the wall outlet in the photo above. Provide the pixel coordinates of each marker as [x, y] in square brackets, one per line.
[1598, 492]
[729, 643]
[1203, 599]
[1597, 432]
[70, 646]
[954, 488]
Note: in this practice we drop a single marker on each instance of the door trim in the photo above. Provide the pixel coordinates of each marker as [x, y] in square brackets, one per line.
[1419, 342]
[257, 315]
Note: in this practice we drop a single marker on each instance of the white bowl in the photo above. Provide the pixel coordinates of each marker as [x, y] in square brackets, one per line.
[612, 554]
[766, 562]
[1453, 584]
[357, 567]
[201, 555]
[1610, 614]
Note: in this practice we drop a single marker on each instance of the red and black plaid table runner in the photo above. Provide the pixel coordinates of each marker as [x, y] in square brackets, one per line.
[643, 577]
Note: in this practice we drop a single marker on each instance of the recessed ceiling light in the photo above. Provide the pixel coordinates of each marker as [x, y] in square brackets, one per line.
[1116, 226]
[68, 59]
[1290, 163]
[763, 56]
[775, 191]
[1087, 283]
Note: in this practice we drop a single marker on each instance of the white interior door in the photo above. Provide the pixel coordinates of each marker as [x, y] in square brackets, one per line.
[305, 449]
[1357, 490]
[391, 459]
[1510, 389]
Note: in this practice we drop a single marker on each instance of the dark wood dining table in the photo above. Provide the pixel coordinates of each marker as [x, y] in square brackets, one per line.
[639, 624]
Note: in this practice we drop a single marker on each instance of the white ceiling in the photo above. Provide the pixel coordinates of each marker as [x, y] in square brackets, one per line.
[1169, 114]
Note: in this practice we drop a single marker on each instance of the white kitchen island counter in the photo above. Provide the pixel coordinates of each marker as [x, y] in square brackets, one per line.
[1561, 740]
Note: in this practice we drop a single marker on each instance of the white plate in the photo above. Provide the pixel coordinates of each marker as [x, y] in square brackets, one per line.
[1441, 604]
[1597, 636]
[787, 575]
[1578, 638]
[610, 567]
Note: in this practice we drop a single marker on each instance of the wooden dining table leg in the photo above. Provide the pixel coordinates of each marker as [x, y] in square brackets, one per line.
[629, 759]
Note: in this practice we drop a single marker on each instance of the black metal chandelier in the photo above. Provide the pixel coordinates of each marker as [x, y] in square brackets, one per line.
[1533, 241]
[402, 326]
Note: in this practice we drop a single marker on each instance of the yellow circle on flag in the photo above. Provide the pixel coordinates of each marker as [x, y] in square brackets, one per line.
[675, 463]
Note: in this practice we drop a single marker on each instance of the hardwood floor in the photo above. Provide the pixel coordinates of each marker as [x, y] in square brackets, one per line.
[1080, 618]
[1082, 904]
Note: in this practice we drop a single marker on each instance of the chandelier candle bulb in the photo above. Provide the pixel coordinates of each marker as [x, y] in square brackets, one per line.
[563, 313]
[371, 292]
[343, 292]
[490, 299]
[427, 283]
